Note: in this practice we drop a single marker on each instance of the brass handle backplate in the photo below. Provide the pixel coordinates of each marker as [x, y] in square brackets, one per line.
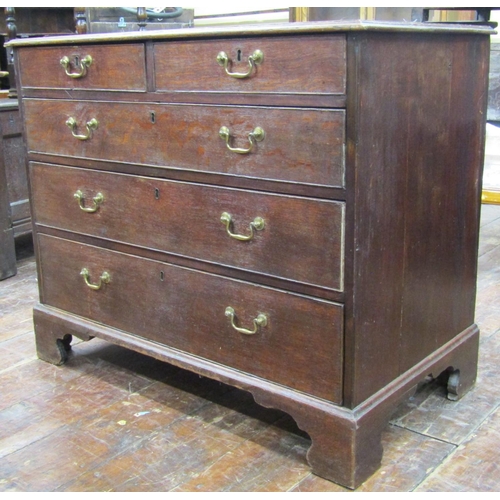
[253, 60]
[97, 200]
[104, 278]
[257, 135]
[90, 125]
[257, 224]
[259, 322]
[82, 65]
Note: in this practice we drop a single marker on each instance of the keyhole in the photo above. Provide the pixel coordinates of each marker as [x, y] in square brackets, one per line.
[238, 56]
[77, 61]
[157, 194]
[153, 117]
[162, 276]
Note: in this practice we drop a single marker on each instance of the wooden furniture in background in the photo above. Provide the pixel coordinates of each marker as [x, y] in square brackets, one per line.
[292, 210]
[472, 15]
[30, 22]
[123, 19]
[14, 202]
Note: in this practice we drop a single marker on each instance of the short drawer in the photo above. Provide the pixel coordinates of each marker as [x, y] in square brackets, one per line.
[93, 67]
[295, 145]
[253, 65]
[293, 238]
[286, 338]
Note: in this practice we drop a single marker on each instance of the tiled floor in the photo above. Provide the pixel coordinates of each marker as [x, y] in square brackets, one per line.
[111, 419]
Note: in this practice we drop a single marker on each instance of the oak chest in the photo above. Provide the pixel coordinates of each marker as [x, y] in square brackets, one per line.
[292, 210]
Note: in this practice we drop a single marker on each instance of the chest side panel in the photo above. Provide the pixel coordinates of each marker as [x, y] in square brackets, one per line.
[416, 141]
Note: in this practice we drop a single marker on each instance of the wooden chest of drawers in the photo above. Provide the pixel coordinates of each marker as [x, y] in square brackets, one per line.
[293, 210]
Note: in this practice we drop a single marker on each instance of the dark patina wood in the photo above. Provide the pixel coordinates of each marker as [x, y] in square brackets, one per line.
[415, 187]
[186, 310]
[359, 306]
[7, 248]
[15, 218]
[187, 137]
[301, 239]
[119, 67]
[187, 66]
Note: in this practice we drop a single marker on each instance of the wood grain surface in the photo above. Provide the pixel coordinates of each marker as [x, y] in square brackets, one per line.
[302, 239]
[186, 310]
[417, 198]
[187, 137]
[191, 66]
[116, 67]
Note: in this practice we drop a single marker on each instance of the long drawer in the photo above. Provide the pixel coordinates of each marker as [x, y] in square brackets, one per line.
[242, 141]
[253, 65]
[299, 239]
[286, 338]
[93, 67]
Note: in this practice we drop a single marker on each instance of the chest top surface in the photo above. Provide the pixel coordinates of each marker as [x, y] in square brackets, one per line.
[258, 29]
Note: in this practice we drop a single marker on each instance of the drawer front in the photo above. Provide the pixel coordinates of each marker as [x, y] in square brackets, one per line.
[297, 340]
[301, 238]
[299, 145]
[285, 66]
[112, 67]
